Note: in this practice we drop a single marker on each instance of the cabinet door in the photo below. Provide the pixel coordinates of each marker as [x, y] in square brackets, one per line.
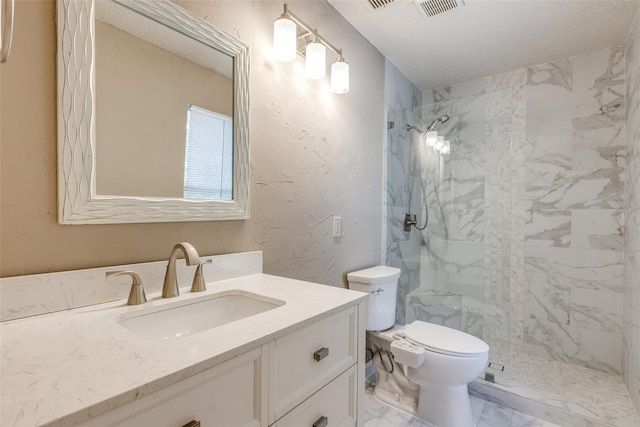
[333, 406]
[227, 395]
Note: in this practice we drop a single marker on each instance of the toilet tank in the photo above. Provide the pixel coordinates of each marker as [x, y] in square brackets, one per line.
[381, 283]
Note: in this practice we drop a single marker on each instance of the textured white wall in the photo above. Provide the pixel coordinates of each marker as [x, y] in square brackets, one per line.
[313, 155]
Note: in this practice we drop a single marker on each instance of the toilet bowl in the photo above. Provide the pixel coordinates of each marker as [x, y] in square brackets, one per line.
[440, 361]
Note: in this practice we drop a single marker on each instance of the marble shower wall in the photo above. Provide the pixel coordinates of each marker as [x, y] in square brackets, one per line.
[574, 200]
[631, 311]
[527, 213]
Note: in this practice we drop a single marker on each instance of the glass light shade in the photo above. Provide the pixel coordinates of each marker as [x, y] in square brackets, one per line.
[439, 143]
[340, 77]
[432, 138]
[446, 148]
[314, 66]
[285, 39]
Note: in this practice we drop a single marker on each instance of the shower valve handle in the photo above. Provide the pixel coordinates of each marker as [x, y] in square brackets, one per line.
[408, 222]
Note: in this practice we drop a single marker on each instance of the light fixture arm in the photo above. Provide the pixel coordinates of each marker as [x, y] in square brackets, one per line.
[287, 13]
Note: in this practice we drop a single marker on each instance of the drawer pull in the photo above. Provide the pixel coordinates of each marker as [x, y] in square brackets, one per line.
[321, 422]
[192, 423]
[321, 354]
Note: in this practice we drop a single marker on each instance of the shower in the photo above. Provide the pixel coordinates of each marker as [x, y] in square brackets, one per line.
[431, 140]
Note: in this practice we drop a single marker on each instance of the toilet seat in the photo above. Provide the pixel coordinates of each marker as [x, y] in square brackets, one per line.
[443, 340]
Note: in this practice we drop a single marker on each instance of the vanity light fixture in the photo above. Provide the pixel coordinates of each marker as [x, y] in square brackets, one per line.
[340, 76]
[314, 63]
[285, 38]
[285, 42]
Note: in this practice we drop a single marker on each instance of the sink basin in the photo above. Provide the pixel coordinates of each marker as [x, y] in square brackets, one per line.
[193, 316]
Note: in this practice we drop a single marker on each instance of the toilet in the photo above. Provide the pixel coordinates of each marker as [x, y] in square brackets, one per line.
[440, 361]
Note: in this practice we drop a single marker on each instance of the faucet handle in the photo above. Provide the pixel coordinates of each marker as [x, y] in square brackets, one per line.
[136, 295]
[198, 284]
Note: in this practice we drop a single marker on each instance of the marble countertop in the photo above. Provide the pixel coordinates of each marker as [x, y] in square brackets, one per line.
[67, 367]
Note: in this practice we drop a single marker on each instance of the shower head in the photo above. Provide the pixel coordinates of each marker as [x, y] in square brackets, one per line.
[442, 119]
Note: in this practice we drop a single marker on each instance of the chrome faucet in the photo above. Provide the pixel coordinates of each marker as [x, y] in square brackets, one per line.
[170, 288]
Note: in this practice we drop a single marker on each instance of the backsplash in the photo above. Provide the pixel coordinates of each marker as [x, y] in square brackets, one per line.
[25, 296]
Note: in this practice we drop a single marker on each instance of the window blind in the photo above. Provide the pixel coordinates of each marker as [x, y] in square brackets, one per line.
[208, 169]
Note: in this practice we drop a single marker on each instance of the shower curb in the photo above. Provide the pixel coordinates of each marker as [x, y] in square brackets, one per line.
[508, 397]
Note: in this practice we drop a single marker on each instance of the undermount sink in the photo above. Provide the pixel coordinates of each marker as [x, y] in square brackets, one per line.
[175, 321]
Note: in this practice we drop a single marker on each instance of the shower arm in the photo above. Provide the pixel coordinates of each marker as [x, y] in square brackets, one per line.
[417, 129]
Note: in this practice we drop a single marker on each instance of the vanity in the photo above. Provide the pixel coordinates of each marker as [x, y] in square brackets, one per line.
[298, 361]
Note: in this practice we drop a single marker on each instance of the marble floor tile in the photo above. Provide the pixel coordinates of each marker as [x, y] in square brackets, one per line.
[524, 420]
[379, 414]
[573, 389]
[560, 394]
[485, 414]
[494, 415]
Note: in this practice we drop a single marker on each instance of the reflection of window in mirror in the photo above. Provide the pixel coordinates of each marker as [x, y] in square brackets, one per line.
[208, 166]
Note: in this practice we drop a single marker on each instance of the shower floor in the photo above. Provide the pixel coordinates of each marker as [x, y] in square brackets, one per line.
[562, 393]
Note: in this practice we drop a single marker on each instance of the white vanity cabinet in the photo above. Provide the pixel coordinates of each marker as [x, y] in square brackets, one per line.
[308, 378]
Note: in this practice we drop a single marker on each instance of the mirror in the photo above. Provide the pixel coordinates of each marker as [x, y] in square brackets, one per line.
[152, 115]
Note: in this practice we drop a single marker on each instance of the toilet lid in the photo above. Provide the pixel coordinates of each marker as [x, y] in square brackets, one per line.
[374, 275]
[441, 339]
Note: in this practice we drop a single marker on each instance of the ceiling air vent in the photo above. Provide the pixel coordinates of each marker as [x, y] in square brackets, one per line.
[379, 3]
[435, 7]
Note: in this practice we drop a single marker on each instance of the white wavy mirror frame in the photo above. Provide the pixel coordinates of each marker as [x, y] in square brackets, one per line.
[78, 202]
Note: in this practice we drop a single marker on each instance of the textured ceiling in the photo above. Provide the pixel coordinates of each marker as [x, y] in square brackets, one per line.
[486, 36]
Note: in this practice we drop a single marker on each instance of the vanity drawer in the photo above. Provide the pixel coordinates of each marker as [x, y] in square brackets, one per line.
[333, 406]
[229, 394]
[308, 359]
